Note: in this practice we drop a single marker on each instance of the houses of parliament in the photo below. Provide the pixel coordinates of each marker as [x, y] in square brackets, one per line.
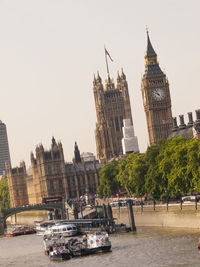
[50, 175]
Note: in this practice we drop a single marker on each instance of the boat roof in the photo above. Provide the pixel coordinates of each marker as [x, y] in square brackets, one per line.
[63, 225]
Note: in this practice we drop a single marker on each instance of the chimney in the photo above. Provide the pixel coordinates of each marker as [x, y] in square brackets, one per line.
[190, 118]
[175, 126]
[182, 124]
[197, 115]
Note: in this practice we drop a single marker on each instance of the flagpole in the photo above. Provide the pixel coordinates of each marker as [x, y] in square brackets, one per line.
[106, 60]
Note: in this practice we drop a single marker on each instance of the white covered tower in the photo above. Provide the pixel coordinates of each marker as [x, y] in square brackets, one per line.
[129, 140]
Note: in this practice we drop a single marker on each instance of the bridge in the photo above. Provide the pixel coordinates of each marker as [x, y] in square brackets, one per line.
[6, 213]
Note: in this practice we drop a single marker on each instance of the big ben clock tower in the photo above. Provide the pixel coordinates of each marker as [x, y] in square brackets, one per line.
[156, 97]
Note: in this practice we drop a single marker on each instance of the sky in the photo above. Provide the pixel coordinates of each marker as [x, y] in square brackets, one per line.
[50, 50]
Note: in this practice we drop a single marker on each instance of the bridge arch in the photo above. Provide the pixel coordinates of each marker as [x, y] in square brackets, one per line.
[5, 214]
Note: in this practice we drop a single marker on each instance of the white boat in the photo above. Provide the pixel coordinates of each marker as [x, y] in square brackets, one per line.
[91, 243]
[42, 226]
[98, 242]
[62, 229]
[59, 252]
[50, 240]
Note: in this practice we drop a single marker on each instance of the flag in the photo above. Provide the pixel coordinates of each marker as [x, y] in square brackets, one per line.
[165, 122]
[107, 54]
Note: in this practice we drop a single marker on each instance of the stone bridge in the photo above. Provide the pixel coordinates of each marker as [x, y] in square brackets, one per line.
[5, 213]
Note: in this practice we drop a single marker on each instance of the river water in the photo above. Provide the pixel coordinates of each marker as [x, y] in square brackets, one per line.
[147, 247]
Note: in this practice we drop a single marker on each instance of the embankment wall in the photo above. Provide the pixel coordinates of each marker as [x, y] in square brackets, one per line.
[187, 217]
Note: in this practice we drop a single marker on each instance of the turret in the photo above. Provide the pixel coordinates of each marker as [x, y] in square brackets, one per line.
[110, 84]
[123, 76]
[77, 157]
[53, 142]
[118, 78]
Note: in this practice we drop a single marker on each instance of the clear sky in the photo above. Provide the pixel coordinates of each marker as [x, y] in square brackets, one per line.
[50, 49]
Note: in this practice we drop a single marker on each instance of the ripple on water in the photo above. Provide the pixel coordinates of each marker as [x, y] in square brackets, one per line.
[152, 247]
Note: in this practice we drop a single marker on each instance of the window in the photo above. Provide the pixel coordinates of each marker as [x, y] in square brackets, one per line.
[116, 124]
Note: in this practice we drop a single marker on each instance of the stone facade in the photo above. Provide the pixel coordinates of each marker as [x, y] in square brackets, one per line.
[189, 130]
[17, 185]
[51, 176]
[156, 97]
[112, 106]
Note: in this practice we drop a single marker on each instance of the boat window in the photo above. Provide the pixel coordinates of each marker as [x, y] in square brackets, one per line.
[64, 229]
[69, 228]
[74, 228]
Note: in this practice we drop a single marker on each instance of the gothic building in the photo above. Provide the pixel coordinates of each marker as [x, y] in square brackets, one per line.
[17, 185]
[112, 106]
[189, 130]
[156, 97]
[50, 175]
[48, 171]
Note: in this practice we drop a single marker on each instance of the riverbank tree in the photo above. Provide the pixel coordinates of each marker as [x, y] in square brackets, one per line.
[4, 194]
[109, 184]
[166, 170]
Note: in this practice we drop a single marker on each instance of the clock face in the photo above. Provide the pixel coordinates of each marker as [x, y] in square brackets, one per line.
[158, 94]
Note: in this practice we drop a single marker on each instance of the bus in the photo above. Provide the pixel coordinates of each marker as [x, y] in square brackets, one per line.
[51, 199]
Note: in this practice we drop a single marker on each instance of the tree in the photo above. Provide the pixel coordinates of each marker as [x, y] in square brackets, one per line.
[109, 184]
[4, 194]
[169, 169]
[124, 173]
[153, 177]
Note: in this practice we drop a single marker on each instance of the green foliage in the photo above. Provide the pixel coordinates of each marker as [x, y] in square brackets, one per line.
[169, 169]
[124, 174]
[153, 177]
[4, 194]
[109, 184]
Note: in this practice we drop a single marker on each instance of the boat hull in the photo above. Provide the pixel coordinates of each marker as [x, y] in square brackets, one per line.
[60, 257]
[100, 249]
[79, 252]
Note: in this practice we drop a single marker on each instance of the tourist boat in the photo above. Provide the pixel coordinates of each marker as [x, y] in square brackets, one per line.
[92, 242]
[17, 230]
[98, 242]
[55, 247]
[42, 226]
[65, 230]
[78, 247]
[59, 253]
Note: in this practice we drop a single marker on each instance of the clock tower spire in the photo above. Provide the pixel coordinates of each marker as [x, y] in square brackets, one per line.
[156, 97]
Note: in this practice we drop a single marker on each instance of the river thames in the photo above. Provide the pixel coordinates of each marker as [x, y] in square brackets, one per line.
[147, 247]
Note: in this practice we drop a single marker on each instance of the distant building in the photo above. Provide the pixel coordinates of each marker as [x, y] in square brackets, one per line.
[87, 157]
[112, 106]
[129, 140]
[17, 185]
[191, 130]
[4, 148]
[50, 176]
